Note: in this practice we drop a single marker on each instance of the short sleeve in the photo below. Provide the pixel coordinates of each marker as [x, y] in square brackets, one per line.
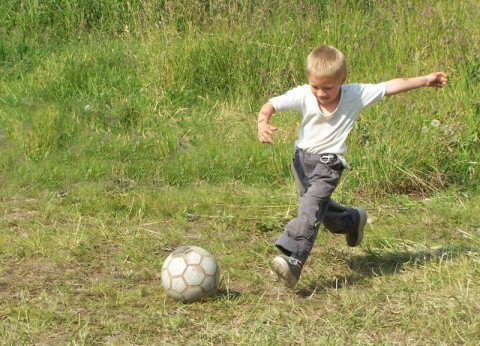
[292, 100]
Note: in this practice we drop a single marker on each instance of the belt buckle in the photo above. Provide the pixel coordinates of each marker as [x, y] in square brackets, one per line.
[327, 158]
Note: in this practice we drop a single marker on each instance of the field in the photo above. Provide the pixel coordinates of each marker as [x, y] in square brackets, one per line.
[128, 129]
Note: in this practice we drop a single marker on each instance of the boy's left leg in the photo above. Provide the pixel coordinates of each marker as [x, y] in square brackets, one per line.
[349, 221]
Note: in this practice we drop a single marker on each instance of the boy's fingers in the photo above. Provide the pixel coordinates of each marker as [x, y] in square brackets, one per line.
[438, 80]
[265, 139]
[264, 135]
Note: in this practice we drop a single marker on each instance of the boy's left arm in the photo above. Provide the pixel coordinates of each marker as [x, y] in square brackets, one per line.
[400, 85]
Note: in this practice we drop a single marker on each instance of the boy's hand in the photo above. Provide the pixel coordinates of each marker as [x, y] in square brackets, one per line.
[264, 129]
[437, 79]
[400, 85]
[264, 132]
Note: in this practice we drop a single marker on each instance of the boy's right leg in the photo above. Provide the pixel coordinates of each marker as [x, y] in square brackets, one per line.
[288, 269]
[319, 180]
[285, 266]
[316, 179]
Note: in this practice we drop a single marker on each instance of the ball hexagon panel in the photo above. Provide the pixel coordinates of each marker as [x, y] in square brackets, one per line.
[193, 294]
[175, 295]
[166, 280]
[194, 275]
[193, 258]
[210, 284]
[178, 284]
[209, 266]
[177, 266]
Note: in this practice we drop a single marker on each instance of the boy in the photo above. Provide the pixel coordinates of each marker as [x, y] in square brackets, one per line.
[328, 108]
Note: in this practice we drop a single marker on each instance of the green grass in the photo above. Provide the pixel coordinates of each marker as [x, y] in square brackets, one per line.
[87, 272]
[128, 129]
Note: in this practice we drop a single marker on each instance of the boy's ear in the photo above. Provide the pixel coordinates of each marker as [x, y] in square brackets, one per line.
[344, 79]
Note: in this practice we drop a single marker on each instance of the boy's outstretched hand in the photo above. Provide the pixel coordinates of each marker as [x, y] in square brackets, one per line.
[437, 79]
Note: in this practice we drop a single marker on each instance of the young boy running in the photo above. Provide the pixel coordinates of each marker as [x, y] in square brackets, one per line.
[328, 109]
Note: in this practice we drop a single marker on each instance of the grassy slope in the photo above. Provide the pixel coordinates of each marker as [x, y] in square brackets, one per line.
[113, 129]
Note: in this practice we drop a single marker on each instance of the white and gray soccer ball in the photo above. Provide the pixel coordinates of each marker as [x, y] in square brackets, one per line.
[190, 274]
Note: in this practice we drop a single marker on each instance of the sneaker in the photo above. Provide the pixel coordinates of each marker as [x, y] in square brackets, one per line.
[288, 270]
[355, 238]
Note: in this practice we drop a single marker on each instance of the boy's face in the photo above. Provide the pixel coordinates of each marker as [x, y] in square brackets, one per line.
[326, 89]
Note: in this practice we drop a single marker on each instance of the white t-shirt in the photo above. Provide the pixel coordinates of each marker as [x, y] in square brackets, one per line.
[326, 134]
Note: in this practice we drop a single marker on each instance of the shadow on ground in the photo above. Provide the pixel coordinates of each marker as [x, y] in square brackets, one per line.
[377, 263]
[228, 294]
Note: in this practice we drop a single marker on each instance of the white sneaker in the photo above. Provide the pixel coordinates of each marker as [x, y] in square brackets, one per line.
[288, 270]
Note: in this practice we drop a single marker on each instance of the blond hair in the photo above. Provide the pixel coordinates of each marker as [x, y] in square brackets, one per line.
[326, 61]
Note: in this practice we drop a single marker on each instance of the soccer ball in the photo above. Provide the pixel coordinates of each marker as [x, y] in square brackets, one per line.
[190, 274]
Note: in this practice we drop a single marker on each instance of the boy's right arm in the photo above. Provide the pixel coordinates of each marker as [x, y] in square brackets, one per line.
[264, 129]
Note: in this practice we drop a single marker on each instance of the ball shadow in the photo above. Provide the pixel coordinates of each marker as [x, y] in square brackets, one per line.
[227, 294]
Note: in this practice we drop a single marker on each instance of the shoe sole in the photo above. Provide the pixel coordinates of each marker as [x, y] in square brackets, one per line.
[363, 221]
[282, 269]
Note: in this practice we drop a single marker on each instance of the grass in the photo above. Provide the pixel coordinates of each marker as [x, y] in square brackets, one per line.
[127, 129]
[73, 276]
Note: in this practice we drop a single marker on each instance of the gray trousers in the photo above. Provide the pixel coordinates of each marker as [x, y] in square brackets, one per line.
[316, 177]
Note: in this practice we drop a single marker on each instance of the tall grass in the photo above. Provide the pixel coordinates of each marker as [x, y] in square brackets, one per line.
[168, 91]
